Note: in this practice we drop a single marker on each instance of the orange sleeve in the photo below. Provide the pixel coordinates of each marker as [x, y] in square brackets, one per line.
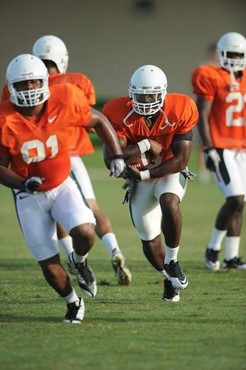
[88, 88]
[116, 110]
[76, 79]
[82, 82]
[79, 142]
[5, 93]
[81, 106]
[203, 82]
[189, 117]
[3, 150]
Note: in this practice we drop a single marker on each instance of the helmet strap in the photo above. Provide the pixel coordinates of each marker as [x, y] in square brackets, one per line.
[234, 86]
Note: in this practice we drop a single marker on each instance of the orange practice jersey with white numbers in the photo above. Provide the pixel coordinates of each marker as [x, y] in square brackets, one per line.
[42, 149]
[227, 120]
[180, 110]
[79, 140]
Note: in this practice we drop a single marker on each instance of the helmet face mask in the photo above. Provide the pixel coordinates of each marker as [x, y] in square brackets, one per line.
[52, 48]
[147, 90]
[147, 104]
[27, 98]
[23, 68]
[231, 50]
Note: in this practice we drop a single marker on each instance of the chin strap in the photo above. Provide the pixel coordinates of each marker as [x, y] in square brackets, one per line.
[234, 86]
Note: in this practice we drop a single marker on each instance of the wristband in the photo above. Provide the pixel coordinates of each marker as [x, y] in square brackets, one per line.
[144, 146]
[145, 175]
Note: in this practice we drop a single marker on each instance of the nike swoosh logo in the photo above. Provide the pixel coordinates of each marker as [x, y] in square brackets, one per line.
[23, 196]
[52, 119]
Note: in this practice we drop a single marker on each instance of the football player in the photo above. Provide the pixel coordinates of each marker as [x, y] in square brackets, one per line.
[203, 172]
[34, 161]
[221, 99]
[150, 120]
[54, 54]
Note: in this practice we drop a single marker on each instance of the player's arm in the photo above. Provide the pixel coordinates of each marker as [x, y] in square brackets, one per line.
[143, 146]
[181, 153]
[107, 154]
[8, 177]
[204, 108]
[212, 158]
[131, 152]
[105, 131]
[181, 148]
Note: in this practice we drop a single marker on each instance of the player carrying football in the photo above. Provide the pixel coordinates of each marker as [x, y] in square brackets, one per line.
[152, 121]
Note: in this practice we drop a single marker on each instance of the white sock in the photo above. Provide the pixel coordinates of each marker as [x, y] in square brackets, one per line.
[171, 254]
[216, 239]
[231, 247]
[110, 242]
[67, 245]
[72, 297]
[79, 259]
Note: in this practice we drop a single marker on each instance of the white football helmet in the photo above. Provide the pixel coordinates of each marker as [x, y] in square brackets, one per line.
[232, 42]
[147, 80]
[27, 67]
[52, 48]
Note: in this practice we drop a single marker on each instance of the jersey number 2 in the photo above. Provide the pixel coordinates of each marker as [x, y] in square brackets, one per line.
[35, 150]
[241, 99]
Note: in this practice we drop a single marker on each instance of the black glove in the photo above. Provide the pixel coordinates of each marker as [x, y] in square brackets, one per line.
[32, 184]
[129, 186]
[188, 174]
[212, 159]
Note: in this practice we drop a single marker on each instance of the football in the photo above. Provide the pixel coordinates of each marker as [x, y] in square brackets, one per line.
[143, 161]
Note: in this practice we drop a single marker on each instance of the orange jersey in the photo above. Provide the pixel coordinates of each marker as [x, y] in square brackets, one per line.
[180, 117]
[227, 120]
[5, 93]
[42, 149]
[79, 140]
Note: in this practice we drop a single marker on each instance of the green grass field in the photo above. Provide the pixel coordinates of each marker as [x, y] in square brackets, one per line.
[129, 328]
